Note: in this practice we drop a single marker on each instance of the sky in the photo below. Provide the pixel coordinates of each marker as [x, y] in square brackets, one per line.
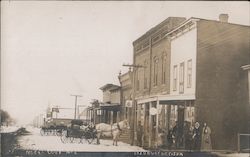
[52, 49]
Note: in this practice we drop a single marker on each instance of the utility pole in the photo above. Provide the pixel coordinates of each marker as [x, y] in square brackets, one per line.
[75, 103]
[134, 118]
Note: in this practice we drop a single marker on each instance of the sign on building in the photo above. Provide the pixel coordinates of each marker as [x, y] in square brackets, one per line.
[128, 103]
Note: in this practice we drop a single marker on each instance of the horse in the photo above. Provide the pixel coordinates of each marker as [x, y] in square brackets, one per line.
[113, 130]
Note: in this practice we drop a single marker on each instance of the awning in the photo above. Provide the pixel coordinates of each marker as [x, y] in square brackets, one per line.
[110, 107]
[168, 99]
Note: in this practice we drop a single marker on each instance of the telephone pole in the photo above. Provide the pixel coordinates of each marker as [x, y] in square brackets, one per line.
[134, 121]
[76, 96]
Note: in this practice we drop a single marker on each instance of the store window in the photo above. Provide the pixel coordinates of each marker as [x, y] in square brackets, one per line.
[156, 60]
[181, 82]
[189, 73]
[164, 69]
[175, 78]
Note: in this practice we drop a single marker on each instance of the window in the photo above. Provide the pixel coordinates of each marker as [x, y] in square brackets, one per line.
[145, 74]
[189, 73]
[175, 78]
[137, 81]
[155, 71]
[164, 64]
[181, 82]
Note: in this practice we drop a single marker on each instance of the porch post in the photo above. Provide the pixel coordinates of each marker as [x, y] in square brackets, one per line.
[111, 117]
[150, 127]
[157, 123]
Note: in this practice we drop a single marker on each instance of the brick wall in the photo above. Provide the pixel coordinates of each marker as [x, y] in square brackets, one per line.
[153, 44]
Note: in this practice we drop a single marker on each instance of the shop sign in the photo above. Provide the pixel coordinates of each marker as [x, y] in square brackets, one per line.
[128, 103]
[153, 111]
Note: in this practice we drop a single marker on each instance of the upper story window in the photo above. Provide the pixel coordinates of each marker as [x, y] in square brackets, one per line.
[137, 80]
[164, 69]
[145, 74]
[175, 78]
[156, 62]
[181, 80]
[189, 73]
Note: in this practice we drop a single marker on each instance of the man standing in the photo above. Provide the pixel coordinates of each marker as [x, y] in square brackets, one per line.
[197, 136]
[139, 134]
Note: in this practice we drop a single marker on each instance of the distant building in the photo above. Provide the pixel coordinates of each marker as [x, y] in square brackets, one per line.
[109, 110]
[126, 83]
[126, 94]
[192, 73]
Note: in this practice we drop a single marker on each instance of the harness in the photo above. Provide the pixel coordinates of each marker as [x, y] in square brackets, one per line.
[118, 127]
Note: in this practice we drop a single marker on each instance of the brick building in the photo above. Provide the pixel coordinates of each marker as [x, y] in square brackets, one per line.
[152, 51]
[193, 73]
[126, 103]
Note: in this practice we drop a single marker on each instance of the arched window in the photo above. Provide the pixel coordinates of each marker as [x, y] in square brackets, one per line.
[145, 74]
[164, 68]
[137, 80]
[156, 61]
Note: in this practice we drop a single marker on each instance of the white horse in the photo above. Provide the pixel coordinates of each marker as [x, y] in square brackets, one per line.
[108, 130]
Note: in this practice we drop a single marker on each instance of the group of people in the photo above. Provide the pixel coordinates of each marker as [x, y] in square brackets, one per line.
[185, 136]
[190, 137]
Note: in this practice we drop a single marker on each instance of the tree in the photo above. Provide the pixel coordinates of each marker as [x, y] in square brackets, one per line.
[5, 117]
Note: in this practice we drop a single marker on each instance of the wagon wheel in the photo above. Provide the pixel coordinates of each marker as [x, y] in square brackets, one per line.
[78, 140]
[64, 137]
[46, 133]
[42, 132]
[54, 132]
[82, 139]
[59, 132]
[71, 139]
[90, 137]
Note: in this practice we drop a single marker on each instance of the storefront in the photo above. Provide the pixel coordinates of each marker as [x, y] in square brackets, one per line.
[157, 116]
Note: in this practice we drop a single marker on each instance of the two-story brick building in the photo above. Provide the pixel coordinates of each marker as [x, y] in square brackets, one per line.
[152, 52]
[193, 73]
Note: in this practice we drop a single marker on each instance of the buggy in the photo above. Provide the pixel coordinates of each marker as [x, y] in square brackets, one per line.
[78, 132]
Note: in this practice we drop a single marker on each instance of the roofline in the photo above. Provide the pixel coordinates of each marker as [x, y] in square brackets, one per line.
[246, 67]
[182, 24]
[154, 28]
[109, 84]
[198, 19]
[224, 22]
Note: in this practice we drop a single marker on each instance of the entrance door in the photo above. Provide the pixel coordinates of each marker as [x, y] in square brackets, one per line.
[146, 126]
[180, 126]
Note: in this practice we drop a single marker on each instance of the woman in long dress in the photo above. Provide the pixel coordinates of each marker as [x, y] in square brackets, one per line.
[206, 144]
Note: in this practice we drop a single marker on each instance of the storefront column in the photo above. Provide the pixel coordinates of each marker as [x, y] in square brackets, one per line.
[118, 116]
[150, 127]
[157, 124]
[111, 117]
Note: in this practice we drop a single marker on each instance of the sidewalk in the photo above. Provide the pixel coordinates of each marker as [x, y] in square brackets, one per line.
[232, 154]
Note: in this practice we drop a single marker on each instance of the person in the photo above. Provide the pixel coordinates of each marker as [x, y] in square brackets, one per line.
[186, 135]
[170, 139]
[189, 140]
[175, 135]
[139, 134]
[206, 138]
[196, 136]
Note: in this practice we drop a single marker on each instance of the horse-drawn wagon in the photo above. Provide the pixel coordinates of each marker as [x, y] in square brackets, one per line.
[51, 128]
[78, 132]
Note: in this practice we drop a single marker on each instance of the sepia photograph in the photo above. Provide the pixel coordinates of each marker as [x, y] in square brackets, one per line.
[125, 78]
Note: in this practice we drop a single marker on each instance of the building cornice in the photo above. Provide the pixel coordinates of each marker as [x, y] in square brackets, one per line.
[246, 67]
